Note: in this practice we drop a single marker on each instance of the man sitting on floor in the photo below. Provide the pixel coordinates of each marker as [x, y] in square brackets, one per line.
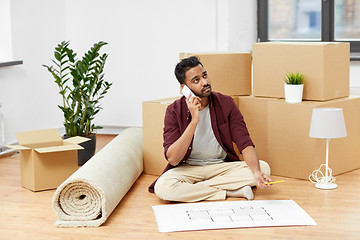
[198, 143]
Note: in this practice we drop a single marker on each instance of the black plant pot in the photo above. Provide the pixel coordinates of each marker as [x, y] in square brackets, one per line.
[89, 150]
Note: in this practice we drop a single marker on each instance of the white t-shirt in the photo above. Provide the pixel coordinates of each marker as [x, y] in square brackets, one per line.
[205, 149]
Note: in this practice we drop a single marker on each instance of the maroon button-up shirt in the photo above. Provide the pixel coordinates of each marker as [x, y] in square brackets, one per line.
[226, 120]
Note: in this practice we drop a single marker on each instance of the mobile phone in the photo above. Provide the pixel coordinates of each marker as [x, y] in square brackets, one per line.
[186, 92]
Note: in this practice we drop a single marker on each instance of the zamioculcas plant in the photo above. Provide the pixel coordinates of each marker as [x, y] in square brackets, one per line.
[81, 84]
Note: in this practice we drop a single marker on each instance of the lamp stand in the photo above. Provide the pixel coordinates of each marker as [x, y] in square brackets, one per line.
[324, 182]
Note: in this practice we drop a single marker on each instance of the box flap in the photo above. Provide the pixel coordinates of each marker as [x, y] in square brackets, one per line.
[38, 137]
[77, 140]
[185, 55]
[66, 147]
[17, 147]
[300, 43]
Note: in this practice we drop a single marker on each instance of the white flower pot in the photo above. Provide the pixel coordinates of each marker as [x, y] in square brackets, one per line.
[293, 93]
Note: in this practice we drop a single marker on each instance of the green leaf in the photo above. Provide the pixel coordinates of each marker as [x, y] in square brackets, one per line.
[294, 78]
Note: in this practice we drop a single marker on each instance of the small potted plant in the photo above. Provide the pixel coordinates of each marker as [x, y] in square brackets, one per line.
[81, 84]
[294, 86]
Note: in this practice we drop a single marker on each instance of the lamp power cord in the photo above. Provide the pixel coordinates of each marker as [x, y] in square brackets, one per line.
[317, 176]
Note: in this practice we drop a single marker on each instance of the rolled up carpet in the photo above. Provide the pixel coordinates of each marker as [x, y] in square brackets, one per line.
[88, 196]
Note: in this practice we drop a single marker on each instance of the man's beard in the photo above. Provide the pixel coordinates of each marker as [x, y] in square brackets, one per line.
[203, 93]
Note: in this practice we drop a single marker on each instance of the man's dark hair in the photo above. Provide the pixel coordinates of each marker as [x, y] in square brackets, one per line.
[184, 65]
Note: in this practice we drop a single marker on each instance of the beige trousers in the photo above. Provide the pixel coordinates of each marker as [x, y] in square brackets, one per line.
[187, 183]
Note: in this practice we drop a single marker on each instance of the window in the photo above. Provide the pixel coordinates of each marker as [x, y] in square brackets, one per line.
[347, 20]
[310, 20]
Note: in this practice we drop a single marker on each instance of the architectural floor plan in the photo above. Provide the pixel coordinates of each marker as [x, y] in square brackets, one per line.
[247, 213]
[230, 214]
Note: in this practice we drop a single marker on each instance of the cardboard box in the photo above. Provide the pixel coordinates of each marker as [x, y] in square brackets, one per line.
[153, 113]
[45, 159]
[229, 73]
[324, 65]
[292, 153]
[255, 113]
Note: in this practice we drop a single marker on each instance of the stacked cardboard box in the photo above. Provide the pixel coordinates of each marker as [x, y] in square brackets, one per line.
[279, 130]
[230, 73]
[292, 153]
[255, 112]
[153, 113]
[325, 67]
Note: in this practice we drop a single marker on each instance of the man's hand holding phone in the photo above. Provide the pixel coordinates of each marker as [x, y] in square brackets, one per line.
[193, 102]
[187, 92]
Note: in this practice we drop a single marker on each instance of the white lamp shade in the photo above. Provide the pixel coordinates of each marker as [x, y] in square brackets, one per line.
[327, 123]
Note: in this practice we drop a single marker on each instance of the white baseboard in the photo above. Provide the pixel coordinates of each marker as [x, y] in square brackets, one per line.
[355, 91]
[111, 130]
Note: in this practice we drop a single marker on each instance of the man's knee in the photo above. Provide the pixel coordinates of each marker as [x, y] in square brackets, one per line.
[264, 167]
[164, 187]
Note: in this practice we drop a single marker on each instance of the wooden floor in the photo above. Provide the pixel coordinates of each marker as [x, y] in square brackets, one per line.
[28, 215]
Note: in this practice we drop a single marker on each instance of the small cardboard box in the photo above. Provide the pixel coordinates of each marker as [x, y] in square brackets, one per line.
[153, 113]
[292, 153]
[45, 159]
[325, 67]
[229, 73]
[255, 113]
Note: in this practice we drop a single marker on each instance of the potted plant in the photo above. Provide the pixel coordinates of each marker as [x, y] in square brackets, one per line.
[81, 84]
[294, 86]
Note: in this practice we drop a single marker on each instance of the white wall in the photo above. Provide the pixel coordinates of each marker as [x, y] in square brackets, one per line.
[145, 38]
[237, 25]
[355, 77]
[28, 95]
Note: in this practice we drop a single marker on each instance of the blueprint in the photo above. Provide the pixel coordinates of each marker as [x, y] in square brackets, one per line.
[230, 214]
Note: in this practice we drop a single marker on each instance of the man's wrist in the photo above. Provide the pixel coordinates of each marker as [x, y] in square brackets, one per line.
[194, 121]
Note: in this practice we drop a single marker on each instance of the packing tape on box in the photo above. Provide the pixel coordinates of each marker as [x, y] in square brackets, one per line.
[88, 197]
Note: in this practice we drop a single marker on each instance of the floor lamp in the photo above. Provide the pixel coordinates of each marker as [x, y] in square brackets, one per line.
[326, 123]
